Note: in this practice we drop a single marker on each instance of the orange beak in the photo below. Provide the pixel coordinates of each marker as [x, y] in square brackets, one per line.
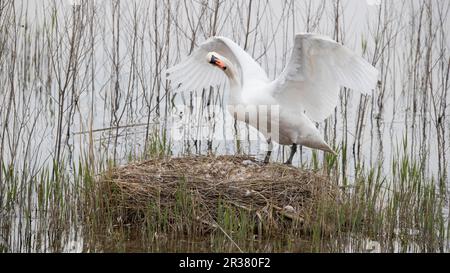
[218, 62]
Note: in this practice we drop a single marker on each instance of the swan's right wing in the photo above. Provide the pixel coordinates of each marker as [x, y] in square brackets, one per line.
[317, 69]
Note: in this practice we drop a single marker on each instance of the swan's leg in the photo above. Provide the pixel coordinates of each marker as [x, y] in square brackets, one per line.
[291, 156]
[269, 151]
[267, 158]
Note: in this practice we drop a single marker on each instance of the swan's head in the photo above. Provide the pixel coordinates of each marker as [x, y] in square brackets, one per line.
[217, 60]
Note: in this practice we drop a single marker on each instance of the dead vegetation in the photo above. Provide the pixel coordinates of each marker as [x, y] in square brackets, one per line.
[188, 191]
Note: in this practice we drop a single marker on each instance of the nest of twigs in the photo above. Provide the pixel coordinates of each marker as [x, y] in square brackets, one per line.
[273, 195]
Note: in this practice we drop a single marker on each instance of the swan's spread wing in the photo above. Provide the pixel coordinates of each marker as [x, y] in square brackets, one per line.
[317, 69]
[195, 73]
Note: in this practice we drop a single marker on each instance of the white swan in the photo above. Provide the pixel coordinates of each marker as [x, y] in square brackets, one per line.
[306, 91]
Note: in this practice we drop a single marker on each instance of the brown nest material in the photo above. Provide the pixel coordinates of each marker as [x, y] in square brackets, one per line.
[272, 194]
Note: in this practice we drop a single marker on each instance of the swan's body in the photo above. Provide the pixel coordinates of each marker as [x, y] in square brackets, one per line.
[305, 92]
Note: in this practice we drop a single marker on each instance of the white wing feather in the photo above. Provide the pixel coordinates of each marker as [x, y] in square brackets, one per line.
[195, 73]
[317, 69]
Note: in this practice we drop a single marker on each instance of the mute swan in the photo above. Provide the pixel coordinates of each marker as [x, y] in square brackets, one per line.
[305, 92]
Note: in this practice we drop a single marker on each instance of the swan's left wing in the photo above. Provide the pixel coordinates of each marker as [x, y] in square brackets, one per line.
[195, 73]
[317, 69]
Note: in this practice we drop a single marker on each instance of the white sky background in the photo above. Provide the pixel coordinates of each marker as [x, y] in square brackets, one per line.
[359, 23]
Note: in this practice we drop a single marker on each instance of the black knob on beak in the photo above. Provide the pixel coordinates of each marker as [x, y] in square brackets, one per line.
[213, 60]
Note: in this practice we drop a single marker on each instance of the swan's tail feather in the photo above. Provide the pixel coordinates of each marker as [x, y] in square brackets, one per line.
[318, 143]
[326, 148]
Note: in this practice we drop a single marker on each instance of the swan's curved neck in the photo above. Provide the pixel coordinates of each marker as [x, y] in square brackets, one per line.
[231, 73]
[235, 82]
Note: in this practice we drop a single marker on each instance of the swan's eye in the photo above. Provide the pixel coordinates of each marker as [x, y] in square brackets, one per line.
[218, 62]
